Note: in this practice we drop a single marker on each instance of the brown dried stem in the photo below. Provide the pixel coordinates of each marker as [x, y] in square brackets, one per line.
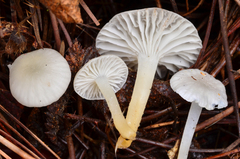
[83, 4]
[18, 143]
[55, 30]
[14, 148]
[65, 33]
[206, 38]
[215, 118]
[229, 63]
[29, 131]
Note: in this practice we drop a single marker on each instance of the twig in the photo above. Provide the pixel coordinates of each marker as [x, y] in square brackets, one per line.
[18, 9]
[82, 156]
[13, 11]
[45, 26]
[35, 23]
[85, 32]
[71, 149]
[222, 63]
[21, 137]
[138, 153]
[83, 4]
[80, 140]
[166, 146]
[65, 33]
[80, 112]
[209, 27]
[89, 26]
[160, 125]
[233, 145]
[1, 31]
[158, 114]
[236, 76]
[224, 154]
[215, 118]
[199, 4]
[134, 153]
[158, 3]
[55, 30]
[229, 63]
[174, 5]
[78, 117]
[29, 131]
[18, 143]
[14, 148]
[233, 28]
[4, 155]
[238, 2]
[103, 149]
[187, 5]
[62, 48]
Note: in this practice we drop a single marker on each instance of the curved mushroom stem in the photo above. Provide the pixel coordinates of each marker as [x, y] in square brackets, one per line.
[117, 115]
[189, 129]
[147, 67]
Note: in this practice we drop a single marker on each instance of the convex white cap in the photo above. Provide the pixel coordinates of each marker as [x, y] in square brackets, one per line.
[198, 86]
[109, 66]
[39, 78]
[152, 32]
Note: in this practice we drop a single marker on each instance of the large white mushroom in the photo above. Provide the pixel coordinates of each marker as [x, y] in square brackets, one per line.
[148, 40]
[39, 78]
[204, 91]
[100, 79]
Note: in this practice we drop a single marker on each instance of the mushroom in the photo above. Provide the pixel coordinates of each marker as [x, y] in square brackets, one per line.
[148, 40]
[204, 91]
[39, 78]
[100, 79]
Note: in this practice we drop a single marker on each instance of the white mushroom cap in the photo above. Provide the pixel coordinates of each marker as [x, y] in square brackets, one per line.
[151, 32]
[110, 66]
[39, 78]
[198, 86]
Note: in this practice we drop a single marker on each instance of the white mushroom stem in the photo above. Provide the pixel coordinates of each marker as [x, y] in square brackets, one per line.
[192, 120]
[117, 115]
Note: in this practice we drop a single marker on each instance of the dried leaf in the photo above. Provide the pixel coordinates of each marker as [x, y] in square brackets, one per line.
[66, 10]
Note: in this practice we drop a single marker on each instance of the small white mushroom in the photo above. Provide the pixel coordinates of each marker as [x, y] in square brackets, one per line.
[148, 40]
[204, 91]
[100, 79]
[39, 78]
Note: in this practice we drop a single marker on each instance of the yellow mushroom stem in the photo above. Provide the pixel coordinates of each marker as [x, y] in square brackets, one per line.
[113, 105]
[147, 67]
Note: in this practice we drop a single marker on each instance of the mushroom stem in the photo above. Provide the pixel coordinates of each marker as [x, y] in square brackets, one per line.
[147, 67]
[192, 120]
[117, 115]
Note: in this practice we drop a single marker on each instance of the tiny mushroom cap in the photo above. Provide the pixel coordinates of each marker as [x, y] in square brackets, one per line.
[149, 40]
[101, 78]
[198, 86]
[109, 66]
[204, 91]
[39, 78]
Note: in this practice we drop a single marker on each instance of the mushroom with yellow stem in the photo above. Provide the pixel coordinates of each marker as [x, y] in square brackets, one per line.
[100, 79]
[150, 40]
